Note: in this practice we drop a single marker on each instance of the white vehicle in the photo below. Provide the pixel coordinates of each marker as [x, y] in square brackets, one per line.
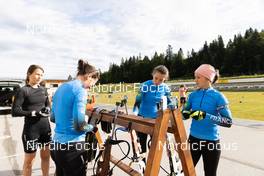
[8, 89]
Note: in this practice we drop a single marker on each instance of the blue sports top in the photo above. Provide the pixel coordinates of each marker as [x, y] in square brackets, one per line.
[68, 112]
[149, 96]
[217, 111]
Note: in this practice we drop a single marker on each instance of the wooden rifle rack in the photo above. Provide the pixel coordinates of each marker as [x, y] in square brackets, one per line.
[157, 129]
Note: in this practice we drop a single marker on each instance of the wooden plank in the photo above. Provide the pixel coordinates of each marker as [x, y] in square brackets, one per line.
[181, 138]
[127, 169]
[157, 142]
[109, 116]
[139, 124]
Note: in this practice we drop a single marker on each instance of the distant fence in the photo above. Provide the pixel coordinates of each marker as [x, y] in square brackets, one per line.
[252, 84]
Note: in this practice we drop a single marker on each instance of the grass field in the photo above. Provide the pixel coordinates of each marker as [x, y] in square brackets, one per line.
[245, 105]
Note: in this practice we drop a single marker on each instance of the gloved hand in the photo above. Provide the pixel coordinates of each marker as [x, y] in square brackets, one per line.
[119, 112]
[198, 115]
[95, 129]
[186, 114]
[44, 112]
[136, 108]
[99, 110]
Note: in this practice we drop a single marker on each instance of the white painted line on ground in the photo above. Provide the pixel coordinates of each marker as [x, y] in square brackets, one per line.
[11, 156]
[4, 108]
[243, 163]
[4, 137]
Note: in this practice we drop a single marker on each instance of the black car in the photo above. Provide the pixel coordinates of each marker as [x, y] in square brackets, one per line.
[8, 89]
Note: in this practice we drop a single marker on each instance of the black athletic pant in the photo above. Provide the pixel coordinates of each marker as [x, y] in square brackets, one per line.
[70, 159]
[142, 139]
[209, 150]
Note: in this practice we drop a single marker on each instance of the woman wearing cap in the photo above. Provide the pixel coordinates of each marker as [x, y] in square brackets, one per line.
[68, 112]
[208, 109]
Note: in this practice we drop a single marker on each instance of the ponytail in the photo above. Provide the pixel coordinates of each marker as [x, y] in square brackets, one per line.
[217, 75]
[85, 68]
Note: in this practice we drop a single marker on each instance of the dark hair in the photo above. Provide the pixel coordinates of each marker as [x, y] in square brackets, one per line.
[31, 70]
[43, 83]
[161, 69]
[217, 75]
[85, 68]
[182, 85]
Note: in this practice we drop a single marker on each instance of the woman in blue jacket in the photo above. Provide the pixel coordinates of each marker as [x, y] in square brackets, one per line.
[150, 95]
[68, 113]
[208, 109]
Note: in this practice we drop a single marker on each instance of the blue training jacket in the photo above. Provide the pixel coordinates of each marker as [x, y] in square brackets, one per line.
[217, 111]
[149, 96]
[68, 113]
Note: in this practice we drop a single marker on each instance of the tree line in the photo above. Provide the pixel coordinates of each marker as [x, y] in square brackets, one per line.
[244, 55]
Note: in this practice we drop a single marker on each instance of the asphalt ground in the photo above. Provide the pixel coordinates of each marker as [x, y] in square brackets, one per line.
[242, 149]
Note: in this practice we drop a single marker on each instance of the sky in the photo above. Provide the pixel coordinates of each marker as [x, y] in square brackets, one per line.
[56, 33]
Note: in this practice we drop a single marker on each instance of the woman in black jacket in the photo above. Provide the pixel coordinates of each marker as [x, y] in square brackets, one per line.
[31, 101]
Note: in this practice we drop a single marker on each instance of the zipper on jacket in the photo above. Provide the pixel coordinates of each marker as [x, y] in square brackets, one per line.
[202, 98]
[156, 90]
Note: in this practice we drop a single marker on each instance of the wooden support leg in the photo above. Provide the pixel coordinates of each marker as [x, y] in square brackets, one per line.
[157, 142]
[126, 168]
[99, 139]
[182, 144]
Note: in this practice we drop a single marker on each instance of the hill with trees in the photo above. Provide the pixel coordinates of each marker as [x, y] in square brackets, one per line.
[244, 55]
